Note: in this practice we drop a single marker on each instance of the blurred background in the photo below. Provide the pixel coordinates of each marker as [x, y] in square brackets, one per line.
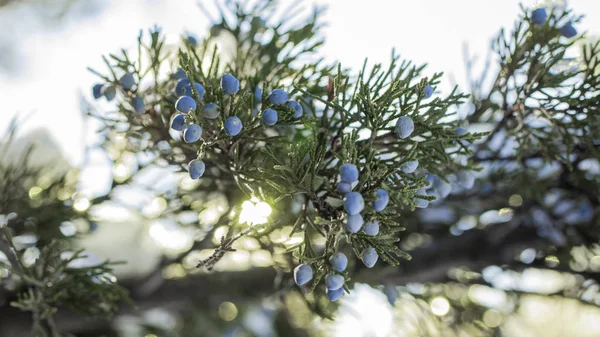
[45, 49]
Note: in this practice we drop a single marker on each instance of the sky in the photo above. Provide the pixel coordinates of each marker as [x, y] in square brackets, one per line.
[51, 70]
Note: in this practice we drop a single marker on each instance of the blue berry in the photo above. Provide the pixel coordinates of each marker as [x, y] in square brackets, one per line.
[421, 203]
[404, 127]
[343, 187]
[303, 274]
[334, 281]
[339, 261]
[127, 81]
[467, 179]
[297, 108]
[391, 293]
[192, 133]
[257, 95]
[354, 203]
[211, 110]
[539, 16]
[109, 93]
[354, 223]
[369, 257]
[180, 87]
[269, 117]
[178, 122]
[233, 126]
[442, 188]
[372, 228]
[568, 30]
[409, 166]
[138, 104]
[97, 91]
[460, 131]
[278, 97]
[230, 84]
[185, 104]
[348, 173]
[255, 112]
[430, 180]
[196, 168]
[334, 295]
[428, 90]
[381, 200]
[187, 90]
[180, 74]
[192, 41]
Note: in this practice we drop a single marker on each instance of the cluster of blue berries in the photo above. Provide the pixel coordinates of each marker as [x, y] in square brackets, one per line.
[539, 17]
[277, 97]
[334, 282]
[127, 82]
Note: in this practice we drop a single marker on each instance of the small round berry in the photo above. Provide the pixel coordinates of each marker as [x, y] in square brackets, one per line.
[372, 228]
[568, 30]
[391, 293]
[466, 179]
[421, 203]
[269, 117]
[334, 281]
[191, 40]
[138, 104]
[354, 223]
[369, 257]
[430, 180]
[97, 91]
[343, 187]
[211, 110]
[178, 122]
[428, 90]
[348, 173]
[110, 92]
[180, 86]
[185, 104]
[127, 81]
[404, 127]
[192, 133]
[230, 84]
[460, 131]
[303, 274]
[278, 97]
[257, 95]
[409, 166]
[187, 90]
[442, 188]
[382, 198]
[196, 168]
[539, 16]
[180, 74]
[338, 261]
[354, 203]
[233, 126]
[297, 108]
[334, 295]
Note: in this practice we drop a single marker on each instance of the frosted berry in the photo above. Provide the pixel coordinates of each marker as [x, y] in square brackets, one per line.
[269, 117]
[187, 90]
[404, 127]
[178, 122]
[466, 179]
[180, 86]
[334, 295]
[185, 104]
[338, 261]
[196, 168]
[257, 95]
[539, 16]
[127, 81]
[180, 74]
[568, 30]
[211, 110]
[110, 92]
[138, 104]
[381, 200]
[354, 203]
[354, 223]
[233, 126]
[230, 84]
[334, 281]
[442, 188]
[460, 131]
[303, 274]
[297, 108]
[192, 133]
[348, 173]
[278, 97]
[428, 90]
[391, 293]
[343, 187]
[372, 228]
[409, 166]
[421, 203]
[97, 91]
[369, 257]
